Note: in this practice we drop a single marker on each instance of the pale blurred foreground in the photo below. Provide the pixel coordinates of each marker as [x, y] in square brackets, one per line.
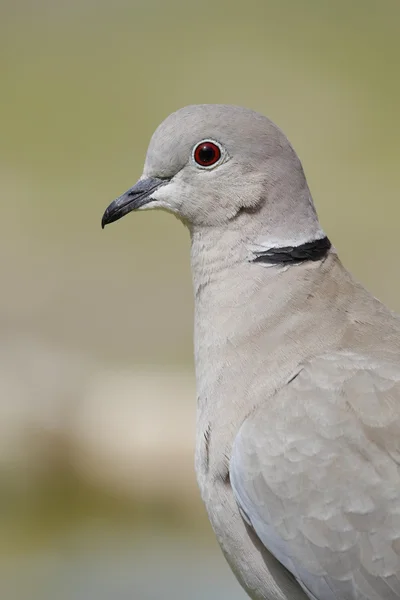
[130, 432]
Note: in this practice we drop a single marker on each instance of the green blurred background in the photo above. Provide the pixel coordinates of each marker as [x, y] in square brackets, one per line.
[97, 491]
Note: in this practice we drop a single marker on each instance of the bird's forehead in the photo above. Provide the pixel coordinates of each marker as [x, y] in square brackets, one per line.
[171, 145]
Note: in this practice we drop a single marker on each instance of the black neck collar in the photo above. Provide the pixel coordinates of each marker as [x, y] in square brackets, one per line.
[315, 250]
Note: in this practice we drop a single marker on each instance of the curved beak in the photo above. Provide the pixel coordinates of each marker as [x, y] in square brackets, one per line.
[136, 197]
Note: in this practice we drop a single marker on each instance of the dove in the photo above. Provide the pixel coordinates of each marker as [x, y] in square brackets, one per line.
[297, 365]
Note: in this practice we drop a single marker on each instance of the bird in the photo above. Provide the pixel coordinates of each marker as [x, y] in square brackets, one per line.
[297, 365]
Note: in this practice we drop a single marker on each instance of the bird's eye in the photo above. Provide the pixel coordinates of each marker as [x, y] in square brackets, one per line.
[207, 153]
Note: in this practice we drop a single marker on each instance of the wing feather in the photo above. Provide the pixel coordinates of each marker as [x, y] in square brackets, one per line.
[316, 473]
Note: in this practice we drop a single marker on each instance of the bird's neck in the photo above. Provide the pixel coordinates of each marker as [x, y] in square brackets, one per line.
[242, 306]
[254, 325]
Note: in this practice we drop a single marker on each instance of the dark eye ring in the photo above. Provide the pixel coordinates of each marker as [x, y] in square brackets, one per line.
[207, 153]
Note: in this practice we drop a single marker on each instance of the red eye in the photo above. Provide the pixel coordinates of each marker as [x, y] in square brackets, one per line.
[207, 154]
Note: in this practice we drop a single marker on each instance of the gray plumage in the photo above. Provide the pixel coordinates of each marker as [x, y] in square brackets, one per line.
[297, 366]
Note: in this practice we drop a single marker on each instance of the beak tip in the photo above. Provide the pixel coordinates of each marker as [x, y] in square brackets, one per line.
[104, 220]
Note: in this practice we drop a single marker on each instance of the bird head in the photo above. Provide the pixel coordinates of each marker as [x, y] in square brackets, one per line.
[212, 164]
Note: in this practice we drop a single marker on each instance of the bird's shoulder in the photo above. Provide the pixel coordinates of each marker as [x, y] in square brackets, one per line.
[331, 396]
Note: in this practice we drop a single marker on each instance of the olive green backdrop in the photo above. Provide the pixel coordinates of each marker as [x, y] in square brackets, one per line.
[98, 497]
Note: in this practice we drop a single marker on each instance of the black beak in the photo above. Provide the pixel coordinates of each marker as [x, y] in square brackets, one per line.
[137, 196]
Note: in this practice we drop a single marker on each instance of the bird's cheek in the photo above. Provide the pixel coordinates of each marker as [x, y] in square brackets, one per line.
[167, 197]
